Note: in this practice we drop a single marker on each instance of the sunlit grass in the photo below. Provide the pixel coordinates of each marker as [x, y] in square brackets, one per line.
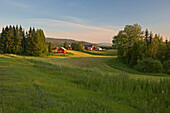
[78, 84]
[43, 87]
[111, 52]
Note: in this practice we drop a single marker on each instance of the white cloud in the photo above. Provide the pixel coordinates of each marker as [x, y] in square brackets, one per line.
[60, 23]
[80, 32]
[65, 29]
[75, 19]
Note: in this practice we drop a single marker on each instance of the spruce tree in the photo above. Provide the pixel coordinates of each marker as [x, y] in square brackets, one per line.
[43, 44]
[146, 37]
[13, 40]
[150, 37]
[19, 40]
[2, 41]
[9, 40]
[29, 42]
[23, 43]
[36, 44]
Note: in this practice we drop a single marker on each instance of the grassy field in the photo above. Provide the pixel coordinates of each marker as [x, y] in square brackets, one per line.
[78, 83]
[110, 52]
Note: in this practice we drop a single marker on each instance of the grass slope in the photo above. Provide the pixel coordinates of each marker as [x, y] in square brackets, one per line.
[117, 64]
[103, 52]
[59, 85]
[39, 87]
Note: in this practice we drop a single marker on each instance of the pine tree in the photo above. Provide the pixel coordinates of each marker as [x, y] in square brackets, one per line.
[29, 42]
[43, 44]
[14, 35]
[14, 40]
[150, 37]
[2, 41]
[23, 43]
[146, 37]
[9, 40]
[36, 43]
[19, 40]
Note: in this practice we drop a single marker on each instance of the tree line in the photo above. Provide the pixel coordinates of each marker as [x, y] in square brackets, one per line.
[75, 46]
[14, 40]
[134, 46]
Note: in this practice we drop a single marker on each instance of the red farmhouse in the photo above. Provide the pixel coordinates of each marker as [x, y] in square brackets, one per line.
[55, 48]
[62, 50]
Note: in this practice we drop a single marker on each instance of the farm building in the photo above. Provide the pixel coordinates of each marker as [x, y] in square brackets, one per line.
[98, 49]
[62, 50]
[55, 49]
[89, 47]
[69, 47]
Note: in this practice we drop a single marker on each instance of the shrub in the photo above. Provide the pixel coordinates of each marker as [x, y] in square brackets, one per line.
[149, 65]
[166, 66]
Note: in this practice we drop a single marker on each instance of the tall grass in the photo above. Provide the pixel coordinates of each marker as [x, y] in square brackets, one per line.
[118, 64]
[33, 86]
[143, 94]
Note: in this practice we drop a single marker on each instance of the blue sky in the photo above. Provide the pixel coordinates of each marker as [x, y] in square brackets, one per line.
[89, 20]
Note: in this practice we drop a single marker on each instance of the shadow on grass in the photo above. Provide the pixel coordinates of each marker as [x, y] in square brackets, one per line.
[116, 63]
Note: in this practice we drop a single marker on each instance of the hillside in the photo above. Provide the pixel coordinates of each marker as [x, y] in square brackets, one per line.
[60, 42]
[104, 44]
[80, 83]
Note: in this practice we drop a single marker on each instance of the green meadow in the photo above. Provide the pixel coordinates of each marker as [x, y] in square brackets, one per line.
[79, 82]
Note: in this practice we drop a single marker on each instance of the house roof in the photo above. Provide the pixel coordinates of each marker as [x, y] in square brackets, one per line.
[98, 48]
[62, 48]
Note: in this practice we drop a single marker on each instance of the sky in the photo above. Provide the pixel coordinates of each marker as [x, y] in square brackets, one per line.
[86, 20]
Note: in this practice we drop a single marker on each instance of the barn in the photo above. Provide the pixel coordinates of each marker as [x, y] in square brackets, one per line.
[89, 47]
[69, 47]
[98, 49]
[62, 50]
[55, 49]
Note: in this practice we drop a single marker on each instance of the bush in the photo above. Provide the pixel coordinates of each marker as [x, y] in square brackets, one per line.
[149, 65]
[166, 66]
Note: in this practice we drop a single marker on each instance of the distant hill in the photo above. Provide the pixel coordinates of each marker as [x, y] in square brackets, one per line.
[104, 44]
[60, 42]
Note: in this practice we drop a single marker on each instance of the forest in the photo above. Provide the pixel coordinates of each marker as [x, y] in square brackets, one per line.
[142, 50]
[14, 40]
